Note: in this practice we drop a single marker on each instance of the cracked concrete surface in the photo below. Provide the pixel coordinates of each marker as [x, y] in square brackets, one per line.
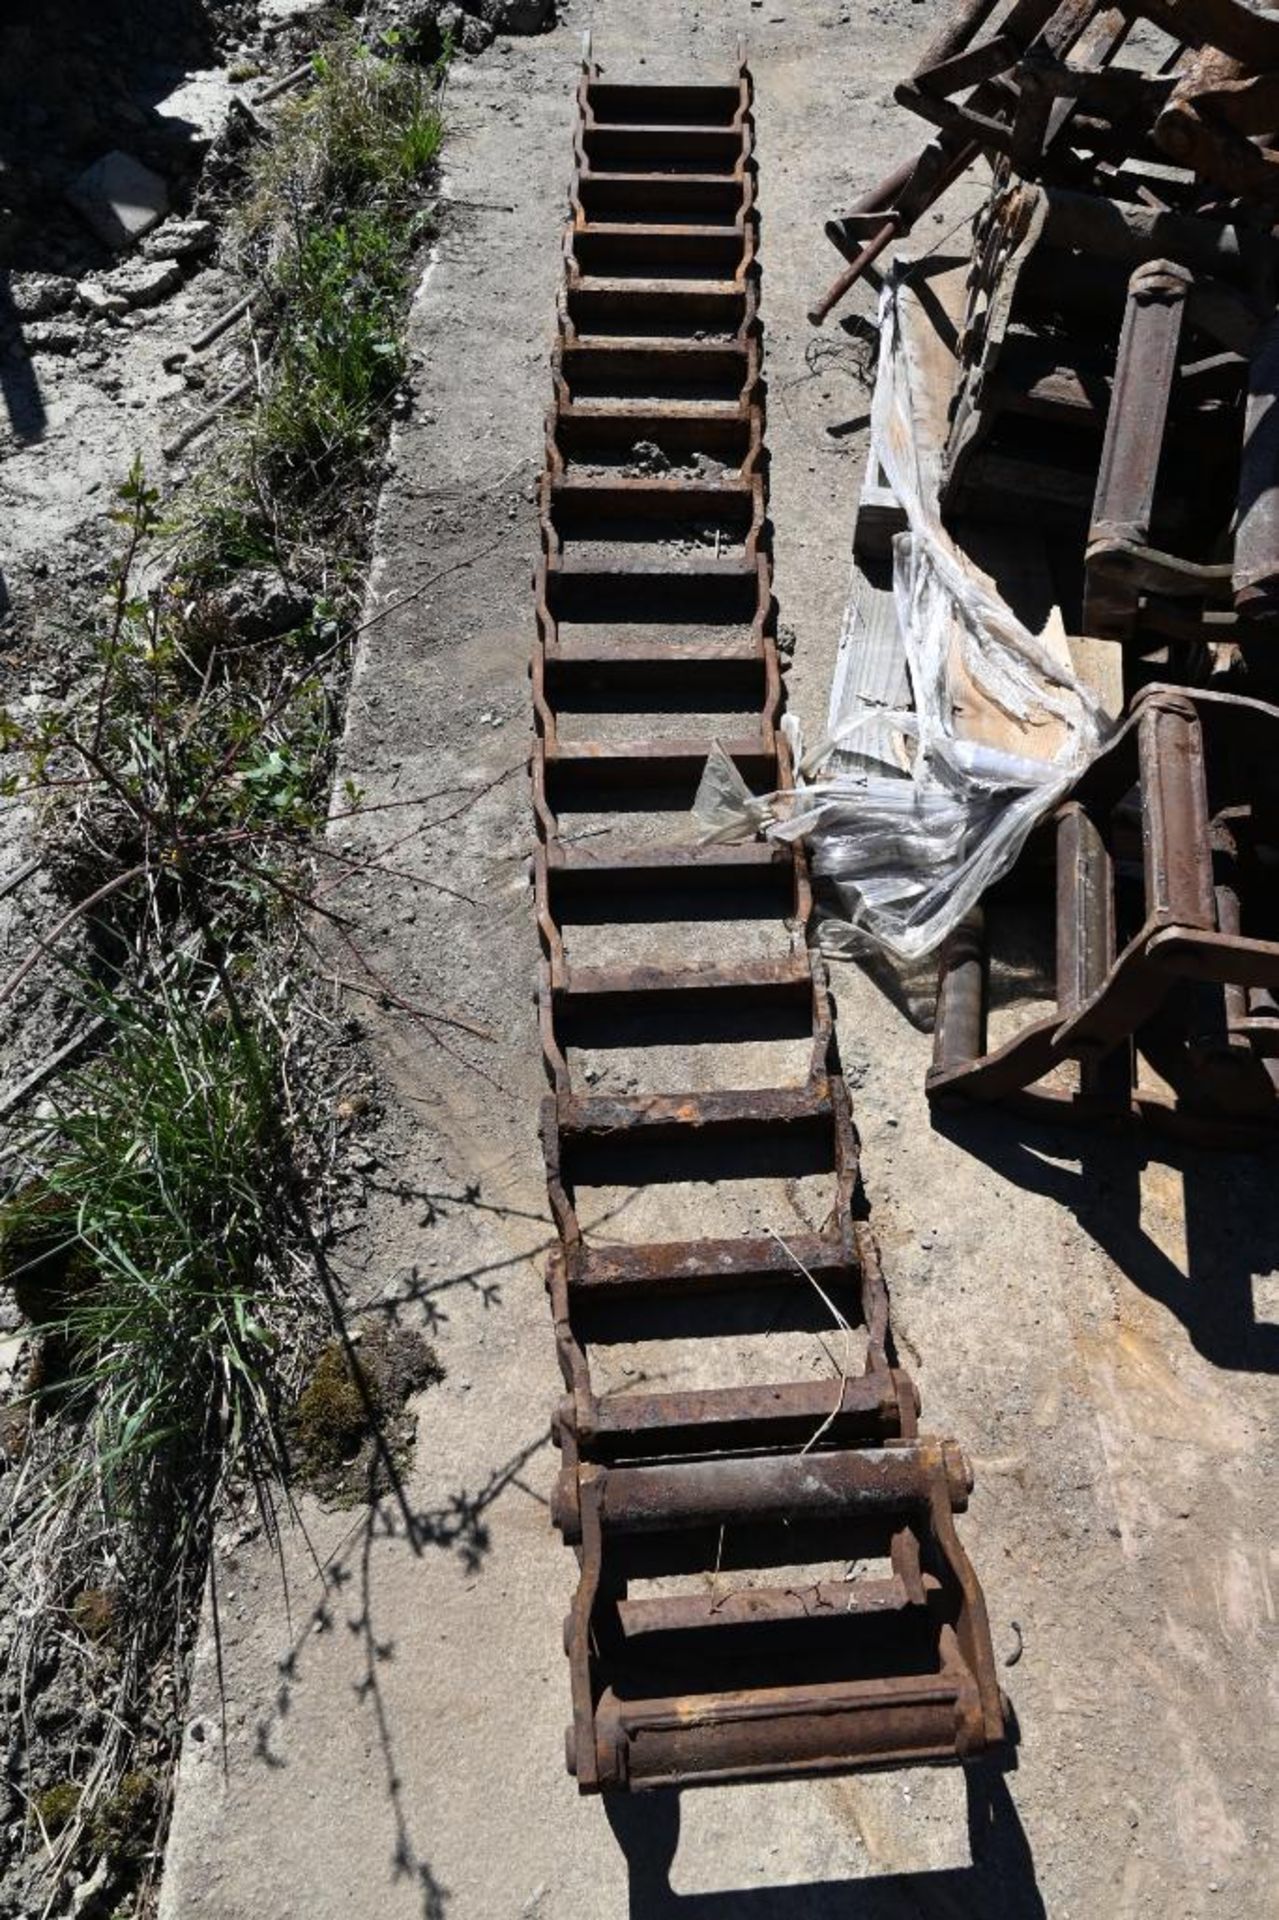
[1099, 1329]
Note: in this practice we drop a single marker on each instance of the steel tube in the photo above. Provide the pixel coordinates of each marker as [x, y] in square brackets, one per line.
[1085, 910]
[795, 1731]
[840, 285]
[771, 1487]
[959, 1034]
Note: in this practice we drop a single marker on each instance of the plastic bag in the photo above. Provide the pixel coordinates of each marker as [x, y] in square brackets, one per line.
[907, 820]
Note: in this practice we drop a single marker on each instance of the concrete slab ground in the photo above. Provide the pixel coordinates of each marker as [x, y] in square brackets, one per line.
[1099, 1329]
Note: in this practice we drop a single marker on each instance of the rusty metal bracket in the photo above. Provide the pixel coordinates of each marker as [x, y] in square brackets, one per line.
[654, 597]
[1042, 92]
[1167, 945]
[1123, 505]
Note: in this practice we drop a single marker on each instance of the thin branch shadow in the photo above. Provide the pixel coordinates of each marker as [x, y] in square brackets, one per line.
[457, 1524]
[411, 1289]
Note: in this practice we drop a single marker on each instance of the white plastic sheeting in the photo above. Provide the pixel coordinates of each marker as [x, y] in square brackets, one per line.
[908, 813]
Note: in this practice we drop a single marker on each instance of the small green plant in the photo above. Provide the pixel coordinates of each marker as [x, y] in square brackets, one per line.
[340, 352]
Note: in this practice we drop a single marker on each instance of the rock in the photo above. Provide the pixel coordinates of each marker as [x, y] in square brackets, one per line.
[95, 299]
[476, 35]
[518, 16]
[180, 240]
[141, 283]
[259, 605]
[415, 27]
[36, 295]
[119, 198]
[52, 336]
[647, 457]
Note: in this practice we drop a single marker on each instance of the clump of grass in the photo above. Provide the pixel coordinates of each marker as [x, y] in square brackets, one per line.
[332, 219]
[367, 132]
[340, 354]
[160, 1184]
[163, 1174]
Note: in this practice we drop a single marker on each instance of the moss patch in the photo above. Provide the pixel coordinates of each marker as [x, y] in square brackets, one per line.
[124, 1827]
[347, 1404]
[96, 1611]
[57, 1806]
[332, 1418]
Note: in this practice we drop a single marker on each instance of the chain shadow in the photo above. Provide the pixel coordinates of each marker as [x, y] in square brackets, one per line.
[1000, 1884]
[1231, 1205]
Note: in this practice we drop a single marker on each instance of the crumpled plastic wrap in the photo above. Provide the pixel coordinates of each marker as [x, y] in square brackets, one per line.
[907, 821]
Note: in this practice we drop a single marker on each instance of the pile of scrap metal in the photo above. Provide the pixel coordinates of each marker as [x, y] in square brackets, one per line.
[1115, 383]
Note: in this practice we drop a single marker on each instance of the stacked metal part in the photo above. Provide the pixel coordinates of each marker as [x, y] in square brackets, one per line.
[1123, 291]
[692, 1658]
[1116, 382]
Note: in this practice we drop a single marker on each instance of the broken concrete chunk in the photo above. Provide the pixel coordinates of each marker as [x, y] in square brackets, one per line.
[140, 283]
[180, 240]
[259, 605]
[95, 299]
[37, 295]
[119, 198]
[52, 336]
[517, 16]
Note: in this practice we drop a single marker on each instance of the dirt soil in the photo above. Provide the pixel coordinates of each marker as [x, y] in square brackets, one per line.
[1099, 1328]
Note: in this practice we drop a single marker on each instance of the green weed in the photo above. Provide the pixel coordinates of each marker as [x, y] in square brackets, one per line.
[340, 351]
[368, 130]
[329, 227]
